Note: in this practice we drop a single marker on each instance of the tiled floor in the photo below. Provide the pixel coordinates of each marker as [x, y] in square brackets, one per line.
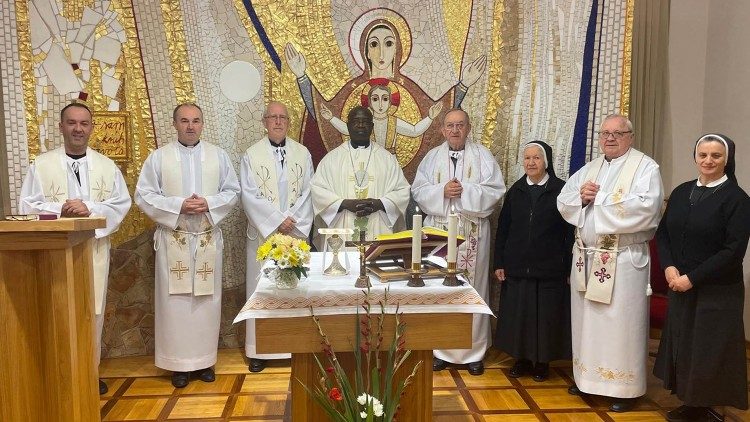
[140, 392]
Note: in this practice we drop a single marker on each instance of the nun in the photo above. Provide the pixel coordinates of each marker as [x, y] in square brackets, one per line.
[532, 262]
[702, 239]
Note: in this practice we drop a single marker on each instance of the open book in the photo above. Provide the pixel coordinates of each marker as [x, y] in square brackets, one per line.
[434, 242]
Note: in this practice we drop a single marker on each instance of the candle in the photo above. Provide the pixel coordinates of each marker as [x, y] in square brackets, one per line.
[452, 236]
[416, 238]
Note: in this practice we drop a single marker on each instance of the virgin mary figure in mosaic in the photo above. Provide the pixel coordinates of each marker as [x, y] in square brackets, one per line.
[380, 49]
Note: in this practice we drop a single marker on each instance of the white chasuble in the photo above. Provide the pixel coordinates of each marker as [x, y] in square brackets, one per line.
[483, 187]
[610, 340]
[51, 181]
[187, 325]
[191, 271]
[358, 173]
[271, 192]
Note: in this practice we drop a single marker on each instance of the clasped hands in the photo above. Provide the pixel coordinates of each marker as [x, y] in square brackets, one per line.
[588, 192]
[362, 207]
[74, 208]
[677, 282]
[287, 225]
[194, 205]
[453, 189]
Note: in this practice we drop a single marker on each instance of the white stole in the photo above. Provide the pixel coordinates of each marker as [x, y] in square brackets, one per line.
[469, 166]
[601, 277]
[191, 273]
[52, 170]
[264, 170]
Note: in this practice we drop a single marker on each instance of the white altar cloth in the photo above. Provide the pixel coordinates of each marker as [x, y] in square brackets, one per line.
[337, 296]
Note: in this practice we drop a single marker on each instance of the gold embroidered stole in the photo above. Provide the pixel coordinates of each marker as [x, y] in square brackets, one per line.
[603, 270]
[468, 226]
[191, 272]
[52, 170]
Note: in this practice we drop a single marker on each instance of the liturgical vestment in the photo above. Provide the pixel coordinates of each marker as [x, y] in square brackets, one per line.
[188, 249]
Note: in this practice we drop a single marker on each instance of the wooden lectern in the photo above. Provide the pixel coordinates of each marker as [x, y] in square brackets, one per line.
[47, 321]
[424, 332]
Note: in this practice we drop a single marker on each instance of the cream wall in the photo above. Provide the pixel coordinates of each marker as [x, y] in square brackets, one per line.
[709, 88]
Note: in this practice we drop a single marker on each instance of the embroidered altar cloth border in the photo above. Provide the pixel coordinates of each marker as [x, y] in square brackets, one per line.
[337, 296]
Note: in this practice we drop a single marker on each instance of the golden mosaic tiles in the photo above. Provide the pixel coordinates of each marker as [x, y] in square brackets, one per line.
[178, 52]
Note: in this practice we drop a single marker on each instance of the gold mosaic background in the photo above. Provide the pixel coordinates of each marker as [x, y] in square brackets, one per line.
[174, 53]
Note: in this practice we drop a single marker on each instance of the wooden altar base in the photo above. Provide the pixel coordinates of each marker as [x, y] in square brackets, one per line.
[424, 332]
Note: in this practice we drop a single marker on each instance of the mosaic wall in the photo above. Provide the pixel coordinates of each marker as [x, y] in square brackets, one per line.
[523, 70]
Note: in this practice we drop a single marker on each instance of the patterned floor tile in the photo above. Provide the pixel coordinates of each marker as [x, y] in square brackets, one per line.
[448, 401]
[151, 386]
[266, 383]
[260, 405]
[507, 399]
[199, 407]
[556, 398]
[136, 409]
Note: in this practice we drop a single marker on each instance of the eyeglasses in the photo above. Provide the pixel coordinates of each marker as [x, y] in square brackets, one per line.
[617, 134]
[277, 117]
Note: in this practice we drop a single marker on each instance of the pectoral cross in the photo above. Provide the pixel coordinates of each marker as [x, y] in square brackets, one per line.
[179, 269]
[205, 271]
[361, 182]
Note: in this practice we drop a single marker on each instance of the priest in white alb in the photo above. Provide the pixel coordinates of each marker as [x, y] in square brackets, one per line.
[359, 185]
[187, 187]
[614, 202]
[76, 181]
[275, 176]
[462, 177]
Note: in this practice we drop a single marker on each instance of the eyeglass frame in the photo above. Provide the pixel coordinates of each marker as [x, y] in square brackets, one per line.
[277, 117]
[615, 134]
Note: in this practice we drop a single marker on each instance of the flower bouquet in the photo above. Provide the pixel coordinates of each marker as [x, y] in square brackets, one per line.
[375, 393]
[290, 256]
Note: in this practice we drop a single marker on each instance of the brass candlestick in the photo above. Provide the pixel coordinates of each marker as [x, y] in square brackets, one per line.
[415, 275]
[451, 273]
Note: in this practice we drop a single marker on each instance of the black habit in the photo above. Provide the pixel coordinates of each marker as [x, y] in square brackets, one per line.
[533, 245]
[704, 234]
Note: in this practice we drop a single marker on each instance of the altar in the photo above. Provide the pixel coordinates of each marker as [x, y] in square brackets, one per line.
[436, 317]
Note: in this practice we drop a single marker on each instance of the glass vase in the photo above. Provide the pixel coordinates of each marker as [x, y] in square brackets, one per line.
[285, 278]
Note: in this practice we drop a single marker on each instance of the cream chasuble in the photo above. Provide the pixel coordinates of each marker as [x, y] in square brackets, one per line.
[349, 173]
[609, 340]
[51, 180]
[483, 187]
[271, 192]
[187, 325]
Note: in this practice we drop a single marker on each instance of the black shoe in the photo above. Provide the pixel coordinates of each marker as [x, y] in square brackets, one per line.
[540, 372]
[102, 387]
[687, 413]
[623, 405]
[438, 364]
[574, 391]
[520, 368]
[257, 365]
[476, 368]
[180, 379]
[207, 375]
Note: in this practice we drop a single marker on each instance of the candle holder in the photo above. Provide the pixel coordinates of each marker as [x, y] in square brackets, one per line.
[451, 273]
[415, 275]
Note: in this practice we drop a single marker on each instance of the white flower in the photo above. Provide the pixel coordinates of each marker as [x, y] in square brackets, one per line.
[377, 408]
[362, 399]
[375, 402]
[363, 414]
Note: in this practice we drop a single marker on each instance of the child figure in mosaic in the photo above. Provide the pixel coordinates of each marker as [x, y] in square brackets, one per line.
[383, 99]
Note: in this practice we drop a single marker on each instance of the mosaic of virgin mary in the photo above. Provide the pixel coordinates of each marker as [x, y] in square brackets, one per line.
[406, 118]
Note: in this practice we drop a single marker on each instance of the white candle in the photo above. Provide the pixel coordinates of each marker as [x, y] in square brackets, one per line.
[452, 236]
[416, 239]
